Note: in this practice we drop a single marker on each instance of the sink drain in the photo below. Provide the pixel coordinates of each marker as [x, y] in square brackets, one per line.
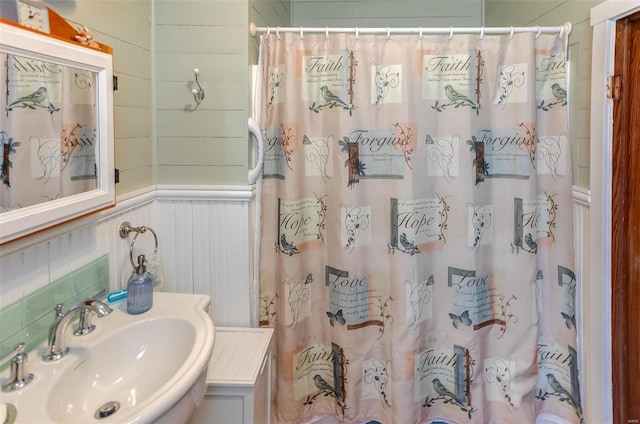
[107, 409]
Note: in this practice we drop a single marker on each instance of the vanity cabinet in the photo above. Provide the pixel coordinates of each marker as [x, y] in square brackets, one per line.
[238, 378]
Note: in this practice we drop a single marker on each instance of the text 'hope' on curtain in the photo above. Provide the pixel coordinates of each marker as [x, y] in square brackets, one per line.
[417, 241]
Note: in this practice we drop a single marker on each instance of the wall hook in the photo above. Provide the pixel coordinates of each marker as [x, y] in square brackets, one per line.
[198, 93]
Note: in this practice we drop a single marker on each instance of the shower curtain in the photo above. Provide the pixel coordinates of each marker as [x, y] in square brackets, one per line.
[417, 241]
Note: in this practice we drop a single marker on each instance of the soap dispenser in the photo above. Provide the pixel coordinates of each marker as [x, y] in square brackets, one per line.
[140, 289]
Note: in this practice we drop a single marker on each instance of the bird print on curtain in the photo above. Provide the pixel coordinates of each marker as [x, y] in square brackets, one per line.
[416, 240]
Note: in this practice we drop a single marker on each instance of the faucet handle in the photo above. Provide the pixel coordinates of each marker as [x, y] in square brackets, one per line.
[84, 323]
[58, 310]
[19, 377]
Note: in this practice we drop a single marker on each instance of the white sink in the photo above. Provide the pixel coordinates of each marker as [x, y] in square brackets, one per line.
[153, 365]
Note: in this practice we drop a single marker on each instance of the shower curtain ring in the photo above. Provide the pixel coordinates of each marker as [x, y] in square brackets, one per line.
[301, 33]
[561, 31]
[268, 31]
[451, 33]
[356, 33]
[511, 34]
[326, 33]
[539, 32]
[388, 33]
[482, 33]
[278, 32]
[420, 31]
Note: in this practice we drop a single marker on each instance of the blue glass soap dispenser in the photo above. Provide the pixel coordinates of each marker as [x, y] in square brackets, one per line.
[140, 289]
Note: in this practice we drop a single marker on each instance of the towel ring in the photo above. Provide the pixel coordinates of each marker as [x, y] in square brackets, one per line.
[126, 228]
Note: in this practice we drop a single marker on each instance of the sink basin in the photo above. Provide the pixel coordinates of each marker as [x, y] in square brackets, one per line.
[131, 369]
[112, 368]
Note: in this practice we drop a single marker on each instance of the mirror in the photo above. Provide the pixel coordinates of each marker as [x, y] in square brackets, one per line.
[56, 131]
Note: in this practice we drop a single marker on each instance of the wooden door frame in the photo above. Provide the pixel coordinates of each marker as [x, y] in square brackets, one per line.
[625, 269]
[595, 328]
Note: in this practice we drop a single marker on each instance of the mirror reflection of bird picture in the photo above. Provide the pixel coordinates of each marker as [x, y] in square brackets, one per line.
[31, 101]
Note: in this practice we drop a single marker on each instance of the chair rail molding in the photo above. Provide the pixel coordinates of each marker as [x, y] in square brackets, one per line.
[203, 192]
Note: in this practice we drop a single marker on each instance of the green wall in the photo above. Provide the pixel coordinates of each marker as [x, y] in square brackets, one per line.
[207, 144]
[389, 13]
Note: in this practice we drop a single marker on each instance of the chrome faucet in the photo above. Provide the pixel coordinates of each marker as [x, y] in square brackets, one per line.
[57, 347]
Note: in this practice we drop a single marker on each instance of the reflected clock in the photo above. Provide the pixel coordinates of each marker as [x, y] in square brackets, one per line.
[33, 14]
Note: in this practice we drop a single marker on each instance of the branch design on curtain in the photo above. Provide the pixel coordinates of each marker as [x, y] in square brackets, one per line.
[418, 281]
[384, 81]
[510, 78]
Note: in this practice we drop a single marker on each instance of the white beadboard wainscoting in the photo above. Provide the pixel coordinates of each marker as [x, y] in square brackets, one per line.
[206, 247]
[203, 235]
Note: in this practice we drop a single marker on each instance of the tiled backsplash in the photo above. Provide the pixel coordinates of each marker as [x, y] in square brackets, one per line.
[28, 320]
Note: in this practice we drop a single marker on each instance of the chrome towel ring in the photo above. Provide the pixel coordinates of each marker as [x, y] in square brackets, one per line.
[126, 229]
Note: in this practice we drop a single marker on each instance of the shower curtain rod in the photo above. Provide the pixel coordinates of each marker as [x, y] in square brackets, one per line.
[563, 29]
